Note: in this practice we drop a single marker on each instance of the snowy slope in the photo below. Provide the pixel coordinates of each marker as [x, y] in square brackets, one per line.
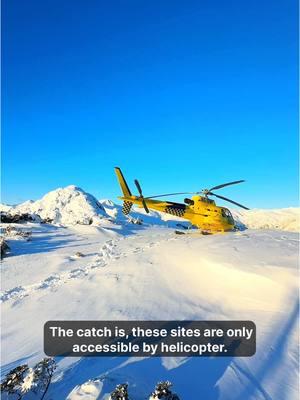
[130, 271]
[4, 207]
[151, 273]
[285, 219]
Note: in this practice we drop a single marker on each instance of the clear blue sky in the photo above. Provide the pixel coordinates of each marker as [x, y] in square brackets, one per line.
[181, 94]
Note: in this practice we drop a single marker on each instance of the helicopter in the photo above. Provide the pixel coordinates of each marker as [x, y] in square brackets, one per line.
[200, 210]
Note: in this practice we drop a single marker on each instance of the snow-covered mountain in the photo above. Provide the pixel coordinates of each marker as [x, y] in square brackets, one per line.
[285, 219]
[67, 206]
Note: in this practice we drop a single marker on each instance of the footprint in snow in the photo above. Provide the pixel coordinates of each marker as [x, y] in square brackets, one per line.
[75, 273]
[51, 281]
[12, 293]
[106, 252]
[98, 264]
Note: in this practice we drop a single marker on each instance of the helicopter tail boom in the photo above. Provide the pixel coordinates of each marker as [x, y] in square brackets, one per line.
[125, 190]
[123, 184]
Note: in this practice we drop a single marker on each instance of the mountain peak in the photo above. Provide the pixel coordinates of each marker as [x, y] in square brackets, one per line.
[69, 205]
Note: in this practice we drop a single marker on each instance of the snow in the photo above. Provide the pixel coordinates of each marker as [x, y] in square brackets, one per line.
[69, 205]
[148, 272]
[89, 391]
[28, 381]
[286, 219]
[4, 207]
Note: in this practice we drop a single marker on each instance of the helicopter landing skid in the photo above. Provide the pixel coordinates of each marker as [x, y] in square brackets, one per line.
[194, 232]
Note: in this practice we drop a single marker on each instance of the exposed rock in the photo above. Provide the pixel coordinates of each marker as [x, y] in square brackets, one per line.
[15, 218]
[4, 246]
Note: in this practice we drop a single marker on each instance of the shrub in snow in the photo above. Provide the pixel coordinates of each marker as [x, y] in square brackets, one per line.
[43, 372]
[14, 232]
[120, 392]
[162, 391]
[14, 380]
[23, 379]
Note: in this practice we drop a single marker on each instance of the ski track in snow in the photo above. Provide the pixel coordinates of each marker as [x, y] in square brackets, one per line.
[108, 253]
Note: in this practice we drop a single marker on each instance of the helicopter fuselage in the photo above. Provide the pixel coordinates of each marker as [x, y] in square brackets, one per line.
[201, 211]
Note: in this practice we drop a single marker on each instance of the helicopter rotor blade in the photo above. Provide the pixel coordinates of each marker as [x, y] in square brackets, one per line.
[145, 205]
[138, 187]
[230, 201]
[169, 194]
[141, 195]
[226, 184]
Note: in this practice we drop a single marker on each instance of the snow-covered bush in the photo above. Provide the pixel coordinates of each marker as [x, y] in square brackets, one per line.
[120, 392]
[162, 391]
[13, 382]
[22, 380]
[43, 372]
[16, 233]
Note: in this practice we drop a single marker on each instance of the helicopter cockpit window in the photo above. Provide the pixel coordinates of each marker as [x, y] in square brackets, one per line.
[226, 213]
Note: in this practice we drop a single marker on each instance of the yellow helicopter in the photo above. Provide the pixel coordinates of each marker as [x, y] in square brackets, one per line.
[200, 210]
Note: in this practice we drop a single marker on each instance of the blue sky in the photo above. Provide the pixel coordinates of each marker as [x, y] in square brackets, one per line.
[182, 95]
